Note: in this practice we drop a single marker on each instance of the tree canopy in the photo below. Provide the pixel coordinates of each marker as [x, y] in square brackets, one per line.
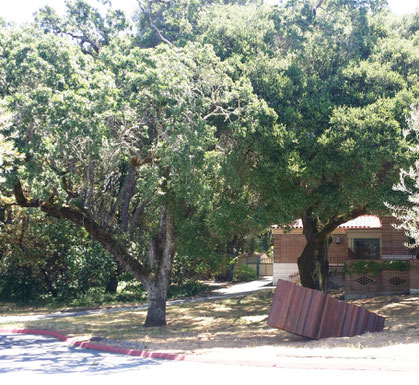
[408, 213]
[341, 78]
[208, 121]
[125, 143]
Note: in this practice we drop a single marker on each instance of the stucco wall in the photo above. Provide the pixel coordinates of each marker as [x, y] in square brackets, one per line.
[283, 270]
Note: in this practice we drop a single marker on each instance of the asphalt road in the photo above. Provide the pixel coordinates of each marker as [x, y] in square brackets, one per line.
[45, 360]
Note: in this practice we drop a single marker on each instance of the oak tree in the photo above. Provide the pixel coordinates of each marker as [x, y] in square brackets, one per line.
[122, 143]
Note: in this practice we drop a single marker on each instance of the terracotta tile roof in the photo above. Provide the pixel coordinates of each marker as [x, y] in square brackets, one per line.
[362, 222]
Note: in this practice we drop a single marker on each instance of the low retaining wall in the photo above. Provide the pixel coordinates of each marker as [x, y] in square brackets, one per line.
[387, 282]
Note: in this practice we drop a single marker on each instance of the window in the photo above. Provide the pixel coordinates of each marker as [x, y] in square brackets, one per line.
[367, 248]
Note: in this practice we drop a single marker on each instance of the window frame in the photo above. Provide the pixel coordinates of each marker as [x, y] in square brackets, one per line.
[376, 240]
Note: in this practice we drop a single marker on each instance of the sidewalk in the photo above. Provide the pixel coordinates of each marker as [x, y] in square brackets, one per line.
[224, 292]
[247, 287]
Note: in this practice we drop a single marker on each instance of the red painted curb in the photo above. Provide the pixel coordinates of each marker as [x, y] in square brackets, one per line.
[35, 331]
[279, 363]
[100, 347]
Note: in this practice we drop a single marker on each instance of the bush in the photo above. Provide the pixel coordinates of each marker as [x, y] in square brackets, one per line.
[374, 267]
[188, 289]
[130, 290]
[94, 296]
[244, 273]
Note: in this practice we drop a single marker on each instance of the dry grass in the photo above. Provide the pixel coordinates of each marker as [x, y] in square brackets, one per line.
[222, 326]
[239, 322]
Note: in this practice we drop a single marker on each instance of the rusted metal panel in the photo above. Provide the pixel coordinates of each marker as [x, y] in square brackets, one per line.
[313, 314]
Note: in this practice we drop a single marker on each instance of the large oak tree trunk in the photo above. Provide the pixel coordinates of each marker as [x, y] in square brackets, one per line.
[306, 267]
[160, 255]
[156, 310]
[313, 264]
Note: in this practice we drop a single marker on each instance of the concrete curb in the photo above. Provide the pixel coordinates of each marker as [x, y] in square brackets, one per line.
[94, 346]
[309, 363]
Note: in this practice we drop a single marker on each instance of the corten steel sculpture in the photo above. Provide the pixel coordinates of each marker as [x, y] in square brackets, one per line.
[313, 314]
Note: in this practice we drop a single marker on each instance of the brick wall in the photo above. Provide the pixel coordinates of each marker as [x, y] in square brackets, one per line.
[277, 247]
[338, 252]
[392, 239]
[395, 281]
[288, 247]
[360, 284]
[386, 282]
[414, 276]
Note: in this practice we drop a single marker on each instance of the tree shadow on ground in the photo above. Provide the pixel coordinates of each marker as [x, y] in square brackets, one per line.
[46, 355]
[240, 323]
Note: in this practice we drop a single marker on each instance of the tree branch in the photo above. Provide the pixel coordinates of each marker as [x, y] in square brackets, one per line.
[151, 24]
[338, 220]
[116, 247]
[129, 193]
[319, 4]
[139, 212]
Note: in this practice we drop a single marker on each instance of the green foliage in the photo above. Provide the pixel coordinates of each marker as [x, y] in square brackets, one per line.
[45, 256]
[129, 292]
[342, 110]
[407, 213]
[128, 143]
[248, 115]
[191, 268]
[244, 273]
[261, 243]
[18, 283]
[84, 23]
[374, 268]
[189, 288]
[175, 21]
[234, 30]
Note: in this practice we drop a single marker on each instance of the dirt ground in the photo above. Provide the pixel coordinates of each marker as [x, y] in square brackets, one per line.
[397, 344]
[236, 327]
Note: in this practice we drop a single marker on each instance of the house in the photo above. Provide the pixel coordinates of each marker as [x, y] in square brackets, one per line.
[366, 237]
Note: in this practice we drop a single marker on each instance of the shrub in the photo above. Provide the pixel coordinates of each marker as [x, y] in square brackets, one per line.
[373, 267]
[190, 288]
[244, 273]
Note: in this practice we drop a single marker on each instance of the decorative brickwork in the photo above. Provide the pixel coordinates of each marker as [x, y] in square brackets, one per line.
[395, 281]
[386, 282]
[362, 284]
